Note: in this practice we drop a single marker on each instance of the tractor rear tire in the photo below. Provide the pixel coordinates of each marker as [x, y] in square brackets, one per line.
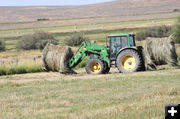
[94, 66]
[129, 61]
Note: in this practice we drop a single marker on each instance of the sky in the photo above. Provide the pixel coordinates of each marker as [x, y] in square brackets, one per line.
[48, 2]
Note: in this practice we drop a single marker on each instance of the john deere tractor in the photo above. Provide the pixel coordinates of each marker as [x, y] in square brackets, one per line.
[121, 52]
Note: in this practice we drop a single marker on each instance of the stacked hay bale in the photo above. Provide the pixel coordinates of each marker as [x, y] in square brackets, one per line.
[159, 51]
[55, 58]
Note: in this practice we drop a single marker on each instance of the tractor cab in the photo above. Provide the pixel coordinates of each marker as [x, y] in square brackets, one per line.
[118, 42]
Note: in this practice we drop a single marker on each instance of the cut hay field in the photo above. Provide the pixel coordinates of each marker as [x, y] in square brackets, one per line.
[141, 95]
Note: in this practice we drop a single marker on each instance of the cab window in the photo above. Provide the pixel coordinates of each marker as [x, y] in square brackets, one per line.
[124, 41]
[116, 43]
[131, 41]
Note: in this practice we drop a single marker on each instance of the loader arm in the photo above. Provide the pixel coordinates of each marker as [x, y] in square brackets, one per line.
[86, 49]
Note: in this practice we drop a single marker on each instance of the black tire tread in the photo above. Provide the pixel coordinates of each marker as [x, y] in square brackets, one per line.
[138, 57]
[106, 68]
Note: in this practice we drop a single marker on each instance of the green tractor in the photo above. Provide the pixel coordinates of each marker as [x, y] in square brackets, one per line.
[121, 52]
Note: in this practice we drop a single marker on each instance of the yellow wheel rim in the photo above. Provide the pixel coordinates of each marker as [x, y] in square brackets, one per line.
[95, 67]
[128, 62]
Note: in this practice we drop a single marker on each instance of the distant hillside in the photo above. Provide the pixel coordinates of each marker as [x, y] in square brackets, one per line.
[120, 8]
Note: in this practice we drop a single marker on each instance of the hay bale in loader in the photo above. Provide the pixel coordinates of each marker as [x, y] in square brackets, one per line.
[159, 51]
[55, 58]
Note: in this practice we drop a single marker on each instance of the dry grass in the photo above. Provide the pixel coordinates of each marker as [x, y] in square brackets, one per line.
[132, 95]
[20, 54]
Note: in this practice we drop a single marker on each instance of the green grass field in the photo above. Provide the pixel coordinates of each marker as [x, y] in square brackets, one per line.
[95, 32]
[95, 35]
[106, 25]
[140, 95]
[19, 69]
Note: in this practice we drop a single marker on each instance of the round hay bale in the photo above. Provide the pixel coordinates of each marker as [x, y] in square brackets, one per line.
[159, 51]
[55, 58]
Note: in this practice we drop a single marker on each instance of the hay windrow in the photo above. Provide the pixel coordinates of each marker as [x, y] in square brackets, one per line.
[159, 51]
[55, 58]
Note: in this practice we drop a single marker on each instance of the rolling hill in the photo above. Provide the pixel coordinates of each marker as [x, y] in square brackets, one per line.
[118, 9]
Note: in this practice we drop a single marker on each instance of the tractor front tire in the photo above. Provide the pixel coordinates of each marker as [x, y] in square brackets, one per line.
[94, 66]
[129, 61]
